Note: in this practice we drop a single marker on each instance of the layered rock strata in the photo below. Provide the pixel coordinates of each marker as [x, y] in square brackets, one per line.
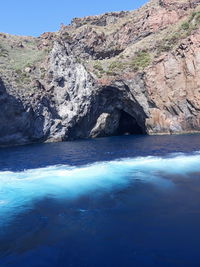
[119, 73]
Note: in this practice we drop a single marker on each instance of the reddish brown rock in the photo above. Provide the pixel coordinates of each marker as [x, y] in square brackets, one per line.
[116, 73]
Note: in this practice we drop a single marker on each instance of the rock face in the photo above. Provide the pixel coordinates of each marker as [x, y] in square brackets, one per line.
[134, 72]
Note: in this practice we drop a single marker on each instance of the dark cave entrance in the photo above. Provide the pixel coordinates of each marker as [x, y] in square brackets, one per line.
[128, 125]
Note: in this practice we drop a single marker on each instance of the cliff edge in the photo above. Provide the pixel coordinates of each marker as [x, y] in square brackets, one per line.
[135, 72]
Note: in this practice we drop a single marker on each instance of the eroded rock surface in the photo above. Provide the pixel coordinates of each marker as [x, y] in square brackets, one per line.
[131, 72]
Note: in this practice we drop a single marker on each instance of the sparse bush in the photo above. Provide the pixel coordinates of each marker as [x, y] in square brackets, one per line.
[18, 71]
[168, 43]
[66, 36]
[197, 18]
[185, 29]
[185, 26]
[3, 51]
[141, 60]
[116, 65]
[22, 77]
[111, 73]
[78, 60]
[42, 73]
[98, 66]
[98, 74]
[192, 15]
[191, 24]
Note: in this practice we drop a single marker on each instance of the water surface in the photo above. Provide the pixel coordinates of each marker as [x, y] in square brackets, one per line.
[120, 201]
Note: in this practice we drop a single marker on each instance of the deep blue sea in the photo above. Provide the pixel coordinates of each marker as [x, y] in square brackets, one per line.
[110, 202]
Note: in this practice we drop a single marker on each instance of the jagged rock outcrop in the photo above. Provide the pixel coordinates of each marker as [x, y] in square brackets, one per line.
[131, 72]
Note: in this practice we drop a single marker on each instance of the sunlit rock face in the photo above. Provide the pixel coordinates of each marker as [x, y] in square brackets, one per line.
[133, 72]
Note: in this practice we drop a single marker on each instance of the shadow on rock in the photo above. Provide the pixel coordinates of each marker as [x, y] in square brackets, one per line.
[16, 121]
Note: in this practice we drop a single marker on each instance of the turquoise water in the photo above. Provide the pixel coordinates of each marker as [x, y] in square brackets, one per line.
[120, 201]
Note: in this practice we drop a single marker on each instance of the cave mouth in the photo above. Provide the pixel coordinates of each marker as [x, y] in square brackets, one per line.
[128, 125]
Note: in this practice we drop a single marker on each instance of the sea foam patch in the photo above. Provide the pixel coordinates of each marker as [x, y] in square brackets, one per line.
[19, 190]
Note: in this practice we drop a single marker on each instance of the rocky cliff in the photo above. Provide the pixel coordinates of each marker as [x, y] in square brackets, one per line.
[134, 72]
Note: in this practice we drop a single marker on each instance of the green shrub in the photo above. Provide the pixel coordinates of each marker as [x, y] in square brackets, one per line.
[185, 29]
[197, 18]
[168, 43]
[98, 74]
[3, 51]
[141, 60]
[192, 15]
[22, 77]
[185, 26]
[18, 71]
[98, 66]
[66, 36]
[192, 23]
[116, 65]
[112, 73]
[78, 60]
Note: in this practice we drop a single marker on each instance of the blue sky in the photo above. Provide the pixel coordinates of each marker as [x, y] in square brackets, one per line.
[24, 17]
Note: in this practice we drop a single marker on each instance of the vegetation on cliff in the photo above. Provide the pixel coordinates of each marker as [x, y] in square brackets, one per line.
[141, 65]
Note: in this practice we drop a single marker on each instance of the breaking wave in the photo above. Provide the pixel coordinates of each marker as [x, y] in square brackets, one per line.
[19, 190]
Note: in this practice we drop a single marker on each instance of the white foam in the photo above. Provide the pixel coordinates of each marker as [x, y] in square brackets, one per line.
[19, 190]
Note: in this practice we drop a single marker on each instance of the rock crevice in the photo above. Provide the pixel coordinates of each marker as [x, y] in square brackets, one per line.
[119, 73]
